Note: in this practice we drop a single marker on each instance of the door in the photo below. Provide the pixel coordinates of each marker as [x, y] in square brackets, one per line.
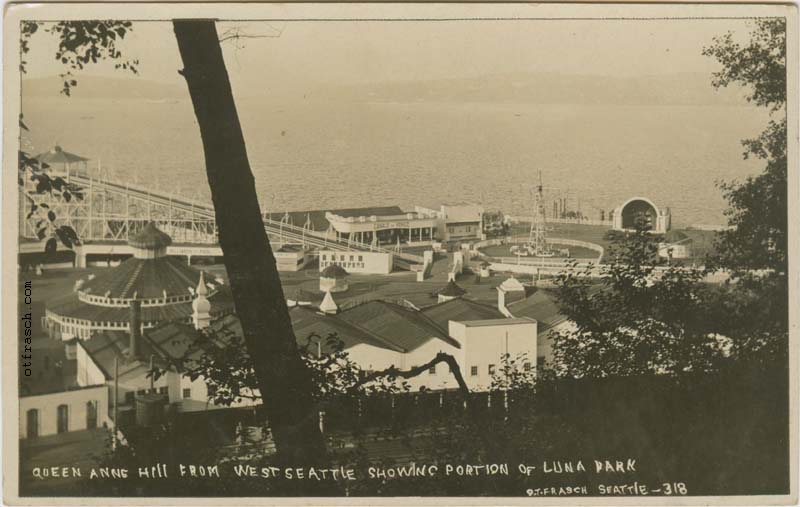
[91, 415]
[63, 418]
[33, 423]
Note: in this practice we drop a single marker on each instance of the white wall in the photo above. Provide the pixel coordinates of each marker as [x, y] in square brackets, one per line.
[357, 262]
[423, 354]
[373, 358]
[484, 343]
[290, 261]
[89, 374]
[47, 405]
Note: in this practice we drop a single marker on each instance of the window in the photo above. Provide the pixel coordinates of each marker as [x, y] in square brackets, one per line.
[360, 258]
[323, 257]
[432, 370]
[62, 421]
[351, 258]
[187, 392]
[469, 228]
[527, 366]
[141, 391]
[162, 390]
[491, 369]
[473, 370]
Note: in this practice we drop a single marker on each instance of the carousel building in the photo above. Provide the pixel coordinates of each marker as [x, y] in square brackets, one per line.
[163, 285]
[333, 279]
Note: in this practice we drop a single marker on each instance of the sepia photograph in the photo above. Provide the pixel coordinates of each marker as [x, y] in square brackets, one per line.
[487, 253]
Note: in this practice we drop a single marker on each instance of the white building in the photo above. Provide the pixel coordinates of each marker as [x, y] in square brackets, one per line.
[381, 226]
[378, 263]
[122, 362]
[74, 410]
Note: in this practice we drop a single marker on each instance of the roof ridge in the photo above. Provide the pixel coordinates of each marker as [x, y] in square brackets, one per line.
[377, 336]
[425, 318]
[353, 325]
[446, 333]
[132, 279]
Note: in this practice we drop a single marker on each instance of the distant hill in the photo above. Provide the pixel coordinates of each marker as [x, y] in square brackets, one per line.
[536, 88]
[527, 88]
[97, 87]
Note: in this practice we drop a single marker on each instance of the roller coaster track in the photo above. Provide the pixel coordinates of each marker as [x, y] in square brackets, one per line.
[287, 233]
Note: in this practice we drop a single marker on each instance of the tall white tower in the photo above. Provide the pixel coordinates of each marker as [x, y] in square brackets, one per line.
[201, 306]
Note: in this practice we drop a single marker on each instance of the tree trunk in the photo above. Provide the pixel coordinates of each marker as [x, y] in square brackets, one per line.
[284, 381]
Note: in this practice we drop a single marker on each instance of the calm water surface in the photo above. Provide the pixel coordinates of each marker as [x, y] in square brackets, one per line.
[311, 155]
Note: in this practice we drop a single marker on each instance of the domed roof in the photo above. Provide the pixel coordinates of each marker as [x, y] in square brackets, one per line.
[58, 156]
[511, 285]
[452, 290]
[150, 238]
[201, 304]
[144, 279]
[334, 271]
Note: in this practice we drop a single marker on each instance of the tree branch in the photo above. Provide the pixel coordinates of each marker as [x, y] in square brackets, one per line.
[394, 372]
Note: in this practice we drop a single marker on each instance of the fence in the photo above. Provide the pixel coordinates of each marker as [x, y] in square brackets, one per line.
[579, 221]
[411, 410]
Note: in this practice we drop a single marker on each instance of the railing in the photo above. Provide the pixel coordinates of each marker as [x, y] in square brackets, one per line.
[523, 239]
[551, 220]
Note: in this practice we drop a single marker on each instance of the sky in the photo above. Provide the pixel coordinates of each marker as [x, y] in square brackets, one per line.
[299, 55]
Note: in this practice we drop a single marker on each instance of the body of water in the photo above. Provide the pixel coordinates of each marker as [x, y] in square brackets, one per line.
[314, 155]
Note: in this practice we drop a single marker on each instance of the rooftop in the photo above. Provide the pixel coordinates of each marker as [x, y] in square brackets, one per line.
[460, 309]
[452, 289]
[146, 278]
[334, 271]
[497, 322]
[150, 238]
[317, 220]
[70, 306]
[541, 306]
[403, 327]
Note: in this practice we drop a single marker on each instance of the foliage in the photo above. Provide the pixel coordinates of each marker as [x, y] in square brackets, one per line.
[217, 356]
[758, 205]
[80, 43]
[642, 317]
[45, 218]
[754, 306]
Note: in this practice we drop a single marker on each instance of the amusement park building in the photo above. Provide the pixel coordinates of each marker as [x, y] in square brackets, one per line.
[624, 217]
[163, 285]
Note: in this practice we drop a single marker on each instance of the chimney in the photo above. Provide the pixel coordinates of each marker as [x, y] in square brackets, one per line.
[501, 302]
[135, 329]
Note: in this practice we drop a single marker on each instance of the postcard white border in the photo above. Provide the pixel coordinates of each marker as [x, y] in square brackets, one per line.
[15, 13]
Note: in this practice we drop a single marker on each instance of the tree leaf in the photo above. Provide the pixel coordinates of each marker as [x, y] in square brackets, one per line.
[51, 246]
[64, 237]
